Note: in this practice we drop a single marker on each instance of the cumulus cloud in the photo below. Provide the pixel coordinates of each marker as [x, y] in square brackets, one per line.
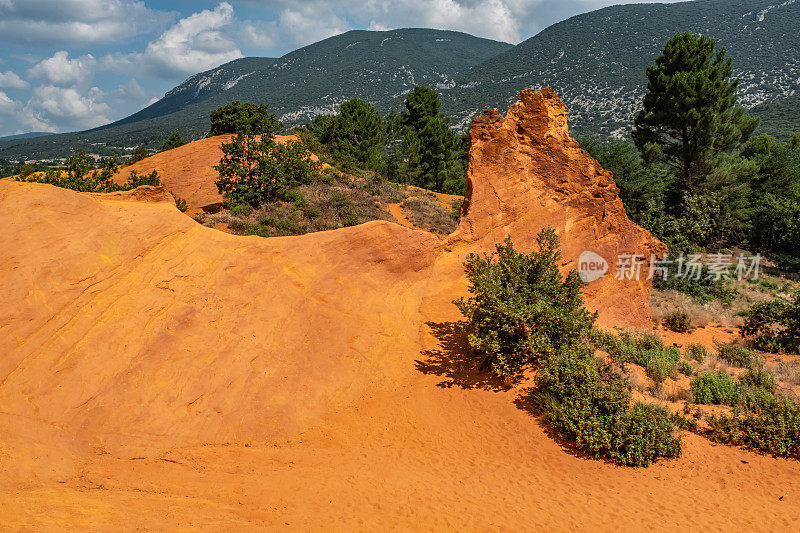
[10, 80]
[194, 44]
[62, 71]
[51, 108]
[77, 21]
[7, 105]
[301, 23]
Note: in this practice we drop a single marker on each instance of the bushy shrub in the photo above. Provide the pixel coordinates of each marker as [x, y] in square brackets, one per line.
[585, 401]
[716, 388]
[696, 352]
[256, 170]
[135, 180]
[643, 349]
[241, 210]
[758, 378]
[80, 175]
[521, 310]
[772, 427]
[774, 325]
[677, 321]
[685, 368]
[738, 355]
[181, 204]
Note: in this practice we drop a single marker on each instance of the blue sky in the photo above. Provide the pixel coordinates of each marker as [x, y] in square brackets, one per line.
[70, 65]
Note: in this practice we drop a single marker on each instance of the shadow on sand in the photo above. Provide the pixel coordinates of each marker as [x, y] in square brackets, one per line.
[453, 361]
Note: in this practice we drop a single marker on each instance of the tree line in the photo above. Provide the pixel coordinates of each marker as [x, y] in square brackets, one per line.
[693, 172]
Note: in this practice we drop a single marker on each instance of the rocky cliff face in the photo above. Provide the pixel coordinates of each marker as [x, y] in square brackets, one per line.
[527, 173]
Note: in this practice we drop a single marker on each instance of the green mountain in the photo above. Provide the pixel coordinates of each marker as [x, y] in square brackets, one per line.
[380, 67]
[29, 135]
[597, 61]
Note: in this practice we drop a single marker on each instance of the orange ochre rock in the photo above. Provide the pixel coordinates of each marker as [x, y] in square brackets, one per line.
[527, 173]
[158, 374]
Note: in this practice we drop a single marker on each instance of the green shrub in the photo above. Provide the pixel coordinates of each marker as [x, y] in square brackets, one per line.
[310, 211]
[643, 349]
[283, 224]
[773, 427]
[685, 368]
[738, 355]
[135, 180]
[697, 352]
[585, 401]
[774, 325]
[659, 369]
[256, 170]
[677, 321]
[241, 210]
[296, 197]
[715, 388]
[351, 218]
[758, 378]
[181, 204]
[521, 310]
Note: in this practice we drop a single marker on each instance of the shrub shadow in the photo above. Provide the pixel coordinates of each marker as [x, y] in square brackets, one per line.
[451, 360]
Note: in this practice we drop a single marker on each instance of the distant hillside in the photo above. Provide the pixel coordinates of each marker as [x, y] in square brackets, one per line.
[380, 67]
[780, 118]
[30, 135]
[597, 61]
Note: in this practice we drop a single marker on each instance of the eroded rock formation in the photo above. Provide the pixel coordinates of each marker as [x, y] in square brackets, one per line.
[526, 173]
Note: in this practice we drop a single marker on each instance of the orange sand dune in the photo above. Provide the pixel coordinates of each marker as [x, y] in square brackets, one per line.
[158, 374]
[188, 171]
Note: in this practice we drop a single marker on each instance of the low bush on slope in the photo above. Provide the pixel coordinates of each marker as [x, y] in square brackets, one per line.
[523, 312]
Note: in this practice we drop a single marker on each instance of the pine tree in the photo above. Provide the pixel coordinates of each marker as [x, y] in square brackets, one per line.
[430, 151]
[139, 153]
[244, 118]
[175, 140]
[689, 115]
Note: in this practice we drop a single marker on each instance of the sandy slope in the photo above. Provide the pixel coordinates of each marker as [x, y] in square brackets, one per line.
[158, 374]
[188, 171]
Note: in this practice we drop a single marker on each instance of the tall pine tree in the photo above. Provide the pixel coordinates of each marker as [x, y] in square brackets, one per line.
[430, 150]
[689, 116]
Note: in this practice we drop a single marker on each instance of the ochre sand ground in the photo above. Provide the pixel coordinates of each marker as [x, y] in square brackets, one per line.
[158, 374]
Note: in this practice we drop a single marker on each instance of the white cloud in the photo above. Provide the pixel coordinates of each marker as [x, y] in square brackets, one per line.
[194, 44]
[494, 19]
[51, 108]
[305, 23]
[77, 21]
[259, 34]
[10, 80]
[7, 105]
[131, 90]
[301, 23]
[64, 72]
